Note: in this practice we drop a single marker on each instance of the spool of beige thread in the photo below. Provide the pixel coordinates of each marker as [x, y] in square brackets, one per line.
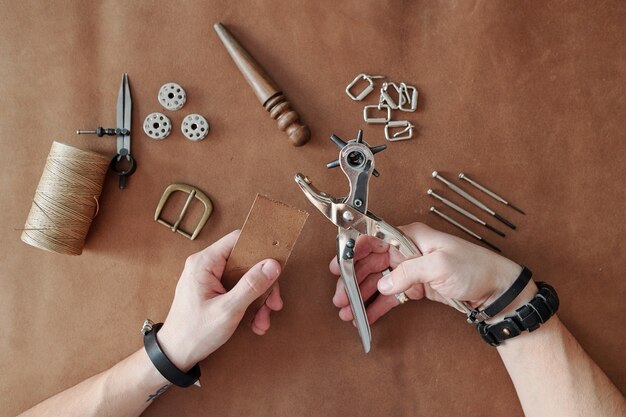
[66, 200]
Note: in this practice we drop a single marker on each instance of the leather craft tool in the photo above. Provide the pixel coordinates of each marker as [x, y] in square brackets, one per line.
[122, 132]
[351, 215]
[465, 229]
[266, 90]
[489, 192]
[271, 230]
[471, 199]
[193, 192]
[464, 212]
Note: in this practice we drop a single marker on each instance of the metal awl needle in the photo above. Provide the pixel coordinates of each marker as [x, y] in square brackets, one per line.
[464, 212]
[465, 229]
[489, 192]
[471, 199]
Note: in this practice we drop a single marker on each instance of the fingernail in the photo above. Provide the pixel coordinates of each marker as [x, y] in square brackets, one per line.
[269, 270]
[385, 283]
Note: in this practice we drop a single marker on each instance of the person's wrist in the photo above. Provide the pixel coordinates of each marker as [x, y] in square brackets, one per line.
[504, 274]
[176, 348]
[524, 297]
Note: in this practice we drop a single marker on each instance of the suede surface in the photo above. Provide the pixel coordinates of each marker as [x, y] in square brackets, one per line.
[527, 98]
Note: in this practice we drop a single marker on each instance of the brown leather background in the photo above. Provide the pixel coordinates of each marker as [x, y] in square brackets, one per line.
[528, 97]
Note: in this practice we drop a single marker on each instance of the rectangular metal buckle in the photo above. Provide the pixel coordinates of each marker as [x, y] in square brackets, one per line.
[369, 119]
[386, 99]
[193, 192]
[409, 94]
[366, 90]
[404, 134]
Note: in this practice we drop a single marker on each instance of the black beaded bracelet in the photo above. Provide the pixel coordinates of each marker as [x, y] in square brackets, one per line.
[162, 362]
[526, 318]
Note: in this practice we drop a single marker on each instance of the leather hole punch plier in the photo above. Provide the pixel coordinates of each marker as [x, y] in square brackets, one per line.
[122, 132]
[351, 215]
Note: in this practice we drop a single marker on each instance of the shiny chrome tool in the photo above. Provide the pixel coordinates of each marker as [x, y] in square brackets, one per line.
[351, 215]
[122, 132]
[465, 229]
[489, 192]
[464, 212]
[471, 199]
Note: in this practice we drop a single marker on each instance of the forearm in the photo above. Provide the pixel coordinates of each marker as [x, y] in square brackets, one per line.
[124, 390]
[553, 376]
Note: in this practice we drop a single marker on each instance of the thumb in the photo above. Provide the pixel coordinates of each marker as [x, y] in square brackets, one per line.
[254, 283]
[410, 272]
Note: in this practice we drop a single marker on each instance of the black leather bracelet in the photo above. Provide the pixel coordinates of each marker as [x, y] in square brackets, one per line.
[504, 300]
[526, 318]
[162, 362]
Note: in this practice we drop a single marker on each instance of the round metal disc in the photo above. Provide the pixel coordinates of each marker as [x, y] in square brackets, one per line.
[195, 127]
[172, 96]
[157, 126]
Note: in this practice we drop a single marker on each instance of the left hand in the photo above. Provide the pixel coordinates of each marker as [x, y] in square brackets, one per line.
[203, 315]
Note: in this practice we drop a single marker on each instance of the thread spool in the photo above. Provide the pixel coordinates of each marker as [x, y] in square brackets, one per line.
[66, 200]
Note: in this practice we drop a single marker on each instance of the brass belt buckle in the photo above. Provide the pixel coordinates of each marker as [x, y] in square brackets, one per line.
[193, 192]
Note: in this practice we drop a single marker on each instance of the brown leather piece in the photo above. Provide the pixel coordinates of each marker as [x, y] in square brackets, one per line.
[270, 231]
[527, 98]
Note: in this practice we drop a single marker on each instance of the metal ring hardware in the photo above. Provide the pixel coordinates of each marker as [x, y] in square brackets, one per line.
[369, 119]
[404, 134]
[365, 92]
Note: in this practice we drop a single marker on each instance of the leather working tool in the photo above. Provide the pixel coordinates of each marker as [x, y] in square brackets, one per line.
[465, 229]
[471, 199]
[122, 131]
[351, 215]
[464, 212]
[193, 192]
[489, 192]
[266, 90]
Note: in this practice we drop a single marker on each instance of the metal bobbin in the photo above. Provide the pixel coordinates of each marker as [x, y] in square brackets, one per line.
[195, 127]
[172, 96]
[157, 126]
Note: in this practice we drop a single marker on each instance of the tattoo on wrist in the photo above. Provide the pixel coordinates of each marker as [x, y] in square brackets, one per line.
[158, 392]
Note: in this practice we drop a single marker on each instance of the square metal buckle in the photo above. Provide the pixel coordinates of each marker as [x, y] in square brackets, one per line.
[386, 99]
[404, 134]
[409, 94]
[193, 192]
[369, 119]
[366, 90]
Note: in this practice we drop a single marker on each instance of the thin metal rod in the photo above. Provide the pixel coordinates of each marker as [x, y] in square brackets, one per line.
[489, 192]
[463, 228]
[464, 212]
[472, 199]
[192, 194]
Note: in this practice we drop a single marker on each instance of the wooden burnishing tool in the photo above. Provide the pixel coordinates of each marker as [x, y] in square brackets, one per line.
[265, 89]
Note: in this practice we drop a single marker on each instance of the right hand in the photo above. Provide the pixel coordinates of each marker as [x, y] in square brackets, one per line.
[449, 266]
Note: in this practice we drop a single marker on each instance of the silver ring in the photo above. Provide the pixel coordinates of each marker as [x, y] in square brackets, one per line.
[402, 297]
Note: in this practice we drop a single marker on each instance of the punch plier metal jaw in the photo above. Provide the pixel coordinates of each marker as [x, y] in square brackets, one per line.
[351, 216]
